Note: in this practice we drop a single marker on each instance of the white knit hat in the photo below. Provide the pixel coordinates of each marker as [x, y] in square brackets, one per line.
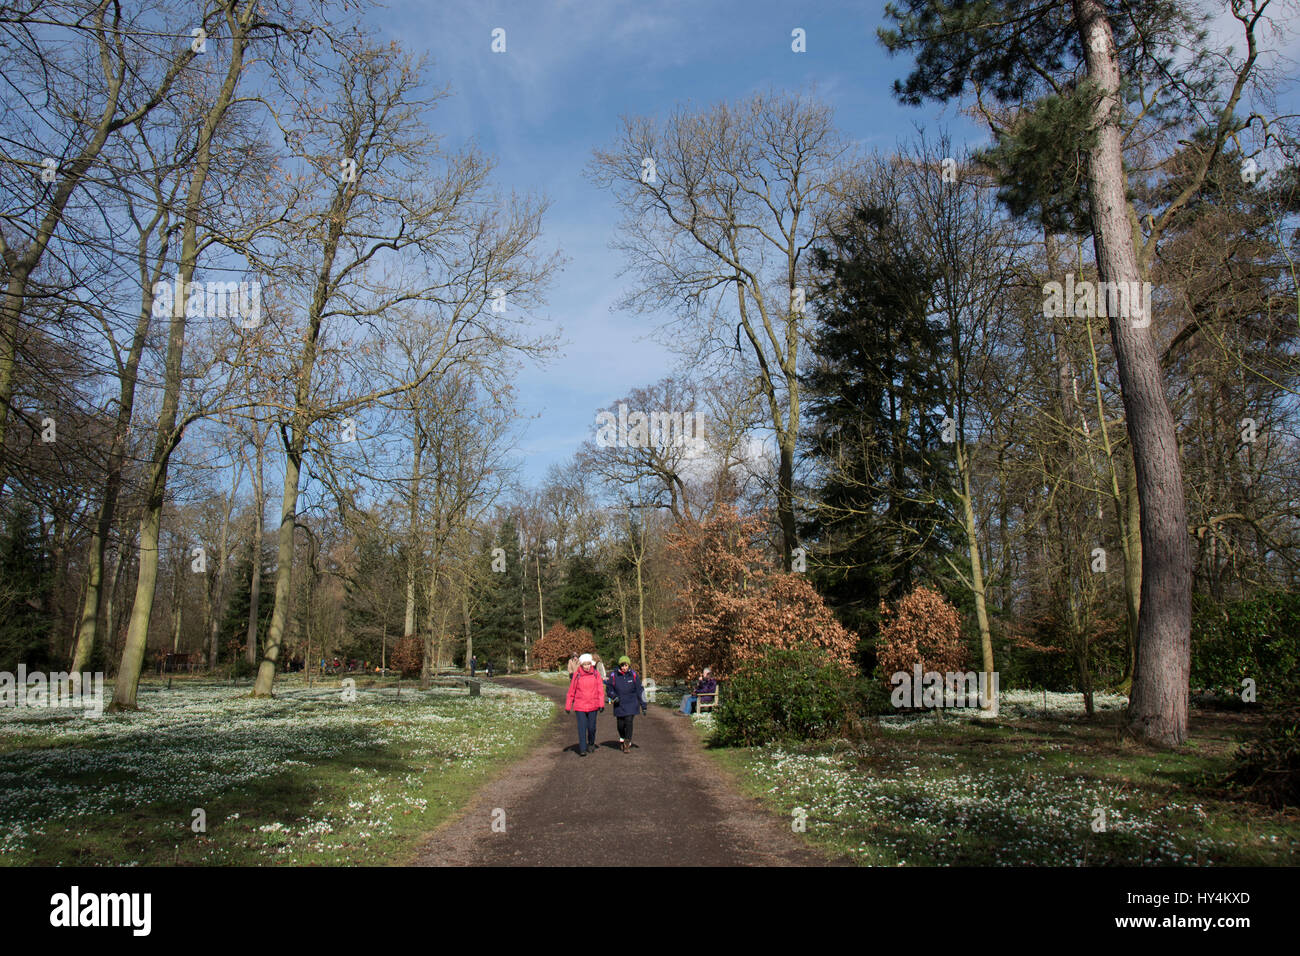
[585, 659]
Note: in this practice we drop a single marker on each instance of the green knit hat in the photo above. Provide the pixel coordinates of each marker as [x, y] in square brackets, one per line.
[625, 660]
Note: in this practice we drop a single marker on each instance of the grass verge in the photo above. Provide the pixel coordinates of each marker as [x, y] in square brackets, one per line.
[304, 778]
[1050, 792]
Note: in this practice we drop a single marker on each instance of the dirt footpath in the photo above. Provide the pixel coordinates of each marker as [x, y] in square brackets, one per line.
[664, 804]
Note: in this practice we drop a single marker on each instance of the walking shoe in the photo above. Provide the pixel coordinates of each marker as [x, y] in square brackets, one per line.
[627, 746]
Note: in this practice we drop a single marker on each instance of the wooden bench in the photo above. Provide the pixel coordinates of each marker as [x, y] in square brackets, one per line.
[700, 705]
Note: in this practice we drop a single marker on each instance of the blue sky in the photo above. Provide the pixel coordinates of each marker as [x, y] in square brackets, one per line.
[569, 71]
[571, 67]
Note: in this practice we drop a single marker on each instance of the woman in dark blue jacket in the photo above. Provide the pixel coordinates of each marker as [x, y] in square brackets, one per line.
[624, 684]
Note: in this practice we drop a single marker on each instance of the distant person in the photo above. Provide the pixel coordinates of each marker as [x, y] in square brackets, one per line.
[600, 667]
[586, 697]
[473, 665]
[628, 695]
[705, 690]
[489, 670]
[573, 663]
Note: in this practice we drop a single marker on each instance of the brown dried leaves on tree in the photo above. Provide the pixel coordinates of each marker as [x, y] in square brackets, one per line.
[922, 628]
[553, 649]
[733, 605]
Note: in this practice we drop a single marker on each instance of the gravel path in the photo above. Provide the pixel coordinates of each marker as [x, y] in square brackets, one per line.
[664, 804]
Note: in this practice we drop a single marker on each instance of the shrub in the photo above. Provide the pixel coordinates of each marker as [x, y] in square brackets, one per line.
[1267, 770]
[553, 649]
[236, 661]
[923, 628]
[1257, 638]
[408, 656]
[790, 694]
[733, 608]
[663, 657]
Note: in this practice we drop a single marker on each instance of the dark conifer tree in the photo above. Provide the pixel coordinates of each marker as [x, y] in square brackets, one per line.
[499, 623]
[875, 401]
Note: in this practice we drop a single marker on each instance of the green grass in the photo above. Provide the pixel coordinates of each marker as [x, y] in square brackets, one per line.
[305, 778]
[1026, 792]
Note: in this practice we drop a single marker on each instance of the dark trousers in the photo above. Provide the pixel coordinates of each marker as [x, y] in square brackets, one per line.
[625, 726]
[586, 729]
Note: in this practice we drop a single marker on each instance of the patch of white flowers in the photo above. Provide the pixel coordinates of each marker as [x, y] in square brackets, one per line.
[945, 815]
[1029, 703]
[197, 745]
[1013, 705]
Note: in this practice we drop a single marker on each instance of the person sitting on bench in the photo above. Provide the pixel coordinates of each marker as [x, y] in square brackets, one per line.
[704, 691]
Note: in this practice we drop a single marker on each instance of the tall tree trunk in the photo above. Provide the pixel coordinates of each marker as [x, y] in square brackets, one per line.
[977, 580]
[523, 591]
[296, 435]
[1004, 545]
[178, 593]
[114, 611]
[413, 530]
[137, 634]
[218, 590]
[87, 631]
[1071, 531]
[990, 706]
[1128, 521]
[427, 664]
[1132, 568]
[283, 568]
[541, 619]
[128, 674]
[785, 502]
[408, 627]
[469, 631]
[1082, 652]
[442, 634]
[255, 585]
[431, 605]
[640, 609]
[110, 604]
[1158, 705]
[466, 618]
[137, 631]
[622, 610]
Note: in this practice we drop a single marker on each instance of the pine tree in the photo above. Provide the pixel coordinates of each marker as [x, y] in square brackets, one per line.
[25, 619]
[498, 624]
[875, 399]
[582, 600]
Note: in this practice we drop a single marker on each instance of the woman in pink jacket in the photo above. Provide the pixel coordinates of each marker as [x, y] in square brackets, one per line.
[586, 698]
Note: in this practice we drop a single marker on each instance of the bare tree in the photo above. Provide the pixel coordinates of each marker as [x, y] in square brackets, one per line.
[242, 27]
[107, 87]
[721, 209]
[375, 195]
